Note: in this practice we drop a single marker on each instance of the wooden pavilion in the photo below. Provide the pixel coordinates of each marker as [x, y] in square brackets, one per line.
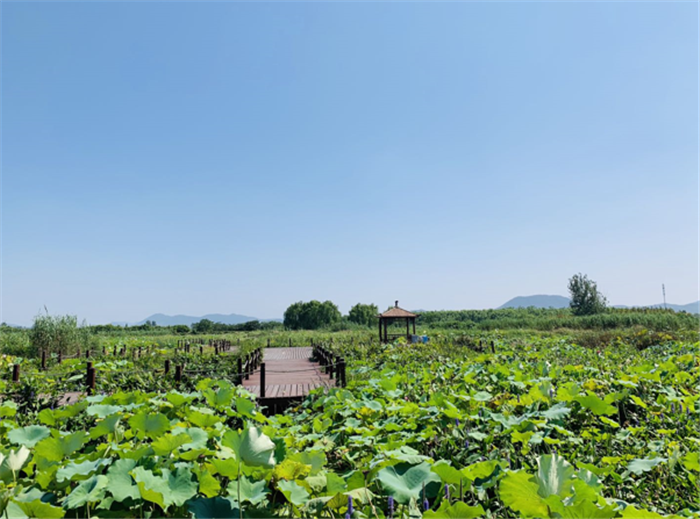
[392, 315]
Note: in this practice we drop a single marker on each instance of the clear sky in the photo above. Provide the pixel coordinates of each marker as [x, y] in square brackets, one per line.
[237, 157]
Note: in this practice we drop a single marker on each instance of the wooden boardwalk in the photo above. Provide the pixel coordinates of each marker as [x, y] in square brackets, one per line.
[289, 373]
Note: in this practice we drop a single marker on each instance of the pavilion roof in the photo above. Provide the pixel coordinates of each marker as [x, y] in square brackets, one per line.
[397, 312]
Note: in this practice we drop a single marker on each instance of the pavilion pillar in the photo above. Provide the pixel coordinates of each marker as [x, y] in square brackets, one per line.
[407, 329]
[380, 330]
[414, 325]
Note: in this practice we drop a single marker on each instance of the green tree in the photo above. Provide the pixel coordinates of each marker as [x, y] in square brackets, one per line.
[365, 315]
[311, 315]
[203, 326]
[585, 298]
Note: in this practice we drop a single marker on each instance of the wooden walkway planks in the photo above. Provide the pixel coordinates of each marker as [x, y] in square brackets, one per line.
[289, 372]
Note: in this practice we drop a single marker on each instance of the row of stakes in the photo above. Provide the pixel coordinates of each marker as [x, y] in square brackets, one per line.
[331, 364]
[246, 366]
[220, 346]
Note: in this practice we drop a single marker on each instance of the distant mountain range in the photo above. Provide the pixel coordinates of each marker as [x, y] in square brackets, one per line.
[539, 301]
[546, 301]
[172, 320]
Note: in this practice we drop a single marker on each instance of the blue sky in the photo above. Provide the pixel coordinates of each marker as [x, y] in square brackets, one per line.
[237, 157]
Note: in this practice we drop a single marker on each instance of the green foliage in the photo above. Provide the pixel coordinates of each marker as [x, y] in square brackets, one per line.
[542, 428]
[55, 334]
[585, 298]
[365, 315]
[312, 315]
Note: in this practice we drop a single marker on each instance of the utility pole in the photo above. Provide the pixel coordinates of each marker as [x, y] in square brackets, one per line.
[663, 290]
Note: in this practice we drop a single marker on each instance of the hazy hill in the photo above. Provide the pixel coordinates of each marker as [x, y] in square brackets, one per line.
[171, 320]
[538, 301]
[544, 301]
[691, 308]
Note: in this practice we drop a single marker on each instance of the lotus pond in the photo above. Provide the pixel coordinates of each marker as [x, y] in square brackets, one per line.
[542, 428]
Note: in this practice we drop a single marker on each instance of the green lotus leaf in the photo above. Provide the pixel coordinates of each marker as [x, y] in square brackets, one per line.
[691, 461]
[479, 470]
[201, 419]
[56, 448]
[630, 512]
[295, 494]
[360, 495]
[457, 510]
[178, 399]
[88, 491]
[335, 484]
[151, 487]
[316, 459]
[482, 396]
[641, 465]
[520, 492]
[254, 493]
[8, 409]
[74, 470]
[213, 508]
[198, 437]
[554, 475]
[208, 484]
[121, 484]
[182, 486]
[152, 425]
[222, 397]
[405, 481]
[245, 407]
[103, 410]
[105, 427]
[256, 449]
[228, 468]
[14, 461]
[582, 510]
[595, 404]
[35, 508]
[28, 436]
[166, 444]
[556, 412]
[447, 473]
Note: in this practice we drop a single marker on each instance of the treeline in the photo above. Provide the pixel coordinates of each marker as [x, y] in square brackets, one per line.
[314, 315]
[547, 319]
[200, 327]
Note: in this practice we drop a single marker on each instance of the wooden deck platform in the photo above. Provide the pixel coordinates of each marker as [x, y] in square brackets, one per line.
[289, 373]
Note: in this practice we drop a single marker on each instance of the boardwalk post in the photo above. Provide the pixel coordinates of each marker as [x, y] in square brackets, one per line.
[247, 366]
[114, 352]
[290, 342]
[60, 356]
[343, 381]
[262, 380]
[87, 354]
[268, 342]
[43, 360]
[493, 348]
[339, 378]
[240, 371]
[201, 350]
[167, 366]
[331, 367]
[15, 373]
[91, 380]
[178, 373]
